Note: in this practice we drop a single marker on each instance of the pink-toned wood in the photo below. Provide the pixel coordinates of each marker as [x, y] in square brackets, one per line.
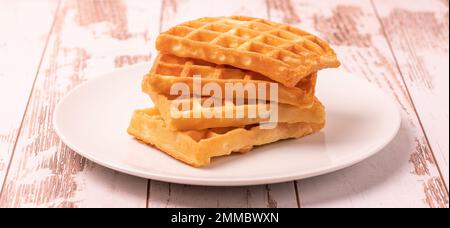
[88, 38]
[173, 195]
[91, 37]
[400, 174]
[21, 48]
[419, 36]
[179, 196]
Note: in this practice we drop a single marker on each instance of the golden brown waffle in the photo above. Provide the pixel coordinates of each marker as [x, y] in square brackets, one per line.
[280, 52]
[169, 70]
[286, 114]
[198, 147]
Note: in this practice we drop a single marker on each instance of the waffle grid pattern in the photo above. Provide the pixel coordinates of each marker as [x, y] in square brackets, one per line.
[169, 69]
[198, 147]
[290, 47]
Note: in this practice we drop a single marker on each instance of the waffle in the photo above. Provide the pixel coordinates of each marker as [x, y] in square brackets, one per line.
[196, 148]
[169, 69]
[281, 52]
[284, 114]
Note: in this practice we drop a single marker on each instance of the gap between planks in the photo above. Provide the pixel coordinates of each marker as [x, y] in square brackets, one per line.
[407, 90]
[29, 97]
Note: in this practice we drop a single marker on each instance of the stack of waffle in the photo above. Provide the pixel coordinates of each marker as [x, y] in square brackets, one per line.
[231, 50]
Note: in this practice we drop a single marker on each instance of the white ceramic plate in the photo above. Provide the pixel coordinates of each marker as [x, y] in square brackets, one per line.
[92, 120]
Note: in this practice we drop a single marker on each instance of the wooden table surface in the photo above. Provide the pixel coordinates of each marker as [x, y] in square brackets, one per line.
[48, 47]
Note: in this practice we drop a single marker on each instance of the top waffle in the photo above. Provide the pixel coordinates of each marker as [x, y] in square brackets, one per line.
[281, 52]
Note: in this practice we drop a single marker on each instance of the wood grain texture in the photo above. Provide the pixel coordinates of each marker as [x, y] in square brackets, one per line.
[89, 37]
[174, 195]
[400, 47]
[165, 195]
[21, 48]
[419, 34]
[399, 175]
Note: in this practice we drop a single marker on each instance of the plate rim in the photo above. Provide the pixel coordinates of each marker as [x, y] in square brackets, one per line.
[201, 181]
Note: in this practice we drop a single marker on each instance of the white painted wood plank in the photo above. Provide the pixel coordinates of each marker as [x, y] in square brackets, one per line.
[21, 48]
[89, 37]
[400, 175]
[419, 36]
[167, 195]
